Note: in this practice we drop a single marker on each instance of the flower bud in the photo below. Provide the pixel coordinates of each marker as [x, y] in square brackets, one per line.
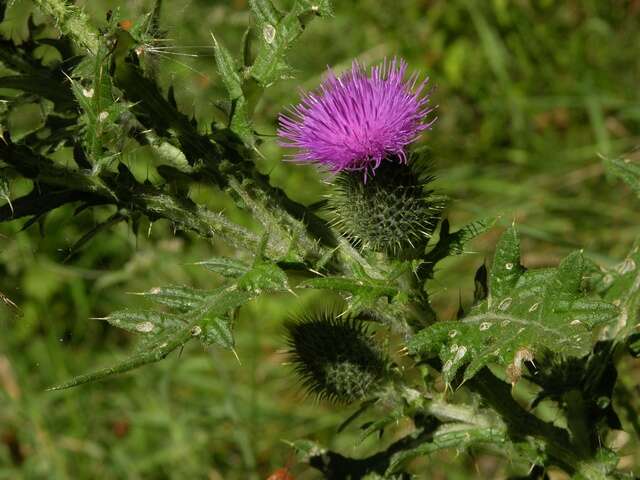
[391, 211]
[335, 358]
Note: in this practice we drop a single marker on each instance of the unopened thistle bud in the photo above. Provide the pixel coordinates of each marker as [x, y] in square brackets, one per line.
[335, 358]
[390, 212]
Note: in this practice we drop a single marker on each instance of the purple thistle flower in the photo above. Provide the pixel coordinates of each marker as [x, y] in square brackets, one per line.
[353, 122]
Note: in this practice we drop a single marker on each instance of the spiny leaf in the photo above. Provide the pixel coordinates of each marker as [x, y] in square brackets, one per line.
[179, 298]
[100, 108]
[227, 267]
[217, 331]
[143, 321]
[378, 425]
[506, 265]
[285, 234]
[277, 33]
[154, 353]
[453, 243]
[265, 11]
[458, 436]
[264, 277]
[367, 295]
[524, 313]
[228, 70]
[621, 286]
[209, 321]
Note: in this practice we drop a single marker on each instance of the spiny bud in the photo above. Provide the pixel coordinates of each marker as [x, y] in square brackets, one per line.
[389, 212]
[335, 358]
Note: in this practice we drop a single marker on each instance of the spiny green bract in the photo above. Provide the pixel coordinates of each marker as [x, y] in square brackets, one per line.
[335, 358]
[392, 211]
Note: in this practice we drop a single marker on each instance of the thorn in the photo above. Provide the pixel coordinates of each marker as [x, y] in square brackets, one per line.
[236, 355]
[8, 199]
[9, 302]
[260, 154]
[292, 292]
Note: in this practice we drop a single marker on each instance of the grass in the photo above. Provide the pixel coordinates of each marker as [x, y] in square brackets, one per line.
[529, 95]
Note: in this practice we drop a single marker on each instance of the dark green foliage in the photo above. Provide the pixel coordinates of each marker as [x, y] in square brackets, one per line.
[335, 357]
[393, 210]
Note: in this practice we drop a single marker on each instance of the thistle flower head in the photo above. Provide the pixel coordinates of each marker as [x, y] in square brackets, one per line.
[355, 121]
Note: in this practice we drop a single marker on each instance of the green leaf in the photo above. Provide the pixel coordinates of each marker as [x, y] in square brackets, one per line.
[453, 243]
[621, 286]
[264, 277]
[101, 109]
[458, 436]
[277, 32]
[265, 11]
[217, 331]
[208, 320]
[626, 171]
[143, 321]
[227, 267]
[153, 353]
[506, 265]
[525, 313]
[239, 122]
[180, 298]
[457, 240]
[307, 449]
[378, 425]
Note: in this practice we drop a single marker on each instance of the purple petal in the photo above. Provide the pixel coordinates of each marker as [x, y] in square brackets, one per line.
[355, 121]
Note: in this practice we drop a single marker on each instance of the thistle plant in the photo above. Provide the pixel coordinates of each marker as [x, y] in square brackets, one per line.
[375, 242]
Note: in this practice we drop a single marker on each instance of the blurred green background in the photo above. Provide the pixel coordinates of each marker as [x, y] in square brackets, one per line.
[530, 95]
